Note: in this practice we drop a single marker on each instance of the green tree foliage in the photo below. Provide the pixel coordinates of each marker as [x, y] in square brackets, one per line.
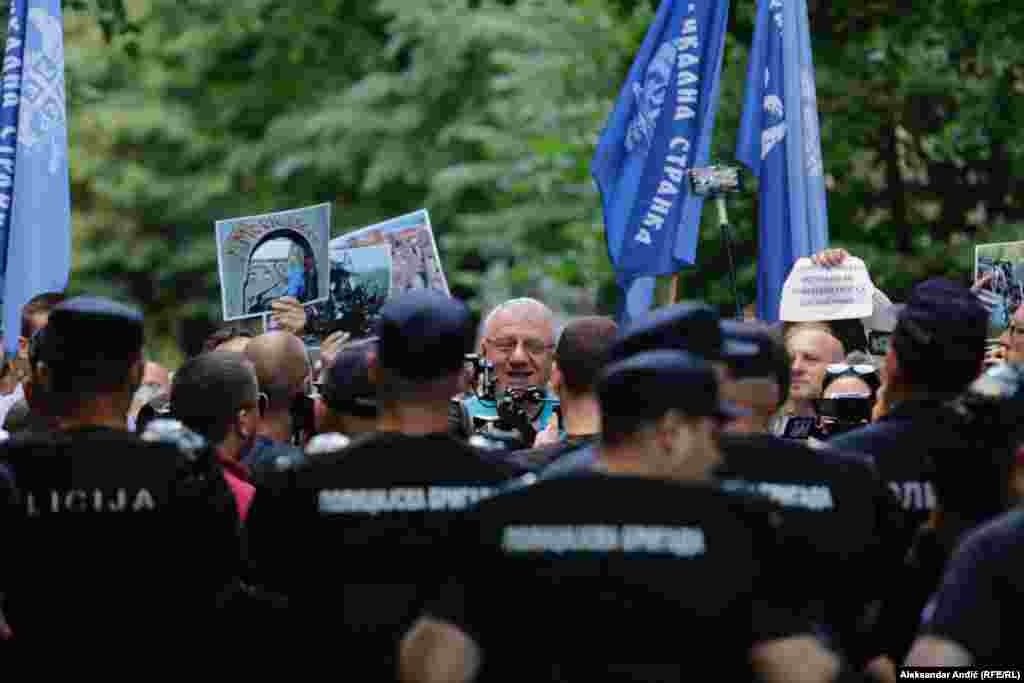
[487, 113]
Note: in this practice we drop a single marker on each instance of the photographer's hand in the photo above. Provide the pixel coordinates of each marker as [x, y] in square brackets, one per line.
[549, 435]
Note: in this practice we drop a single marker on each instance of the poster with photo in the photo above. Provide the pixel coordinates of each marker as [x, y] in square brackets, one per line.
[262, 258]
[373, 264]
[1001, 267]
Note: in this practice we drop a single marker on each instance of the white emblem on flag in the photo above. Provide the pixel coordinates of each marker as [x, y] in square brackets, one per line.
[42, 113]
[773, 106]
[650, 98]
[812, 142]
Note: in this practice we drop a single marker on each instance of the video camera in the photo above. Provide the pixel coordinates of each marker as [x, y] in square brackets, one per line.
[485, 381]
[834, 416]
[511, 428]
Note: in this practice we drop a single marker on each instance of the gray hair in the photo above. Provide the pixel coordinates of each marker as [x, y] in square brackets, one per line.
[534, 305]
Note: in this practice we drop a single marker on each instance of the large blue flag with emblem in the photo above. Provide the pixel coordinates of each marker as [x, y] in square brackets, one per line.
[35, 202]
[780, 142]
[660, 128]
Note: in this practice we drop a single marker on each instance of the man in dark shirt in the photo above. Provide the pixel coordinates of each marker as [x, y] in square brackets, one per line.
[353, 537]
[683, 327]
[284, 375]
[102, 530]
[347, 403]
[216, 394]
[936, 350]
[580, 355]
[647, 566]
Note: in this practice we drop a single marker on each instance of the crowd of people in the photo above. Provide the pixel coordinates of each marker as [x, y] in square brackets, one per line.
[690, 496]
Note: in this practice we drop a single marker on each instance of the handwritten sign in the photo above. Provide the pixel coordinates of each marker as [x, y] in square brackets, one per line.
[814, 293]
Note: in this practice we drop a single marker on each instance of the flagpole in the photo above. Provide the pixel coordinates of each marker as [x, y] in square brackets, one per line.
[723, 223]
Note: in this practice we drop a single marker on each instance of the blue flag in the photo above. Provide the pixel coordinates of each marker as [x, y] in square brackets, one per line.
[660, 128]
[780, 142]
[35, 202]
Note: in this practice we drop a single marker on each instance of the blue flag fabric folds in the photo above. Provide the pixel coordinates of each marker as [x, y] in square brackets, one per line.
[779, 140]
[35, 201]
[660, 127]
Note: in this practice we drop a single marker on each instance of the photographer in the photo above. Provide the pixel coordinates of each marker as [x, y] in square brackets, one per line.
[849, 392]
[518, 339]
[356, 533]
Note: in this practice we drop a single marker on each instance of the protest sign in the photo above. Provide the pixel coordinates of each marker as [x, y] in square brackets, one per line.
[1000, 266]
[262, 258]
[814, 293]
[373, 264]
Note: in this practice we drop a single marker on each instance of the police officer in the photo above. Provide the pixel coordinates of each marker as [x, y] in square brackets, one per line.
[618, 584]
[936, 350]
[840, 518]
[109, 541]
[974, 619]
[352, 537]
[970, 492]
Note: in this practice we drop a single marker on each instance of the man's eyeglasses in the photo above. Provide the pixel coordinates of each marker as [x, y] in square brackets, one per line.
[844, 368]
[507, 346]
[1014, 330]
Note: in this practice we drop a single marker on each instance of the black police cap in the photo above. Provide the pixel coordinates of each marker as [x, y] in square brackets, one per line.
[91, 329]
[648, 385]
[941, 320]
[684, 327]
[424, 335]
[770, 360]
[348, 388]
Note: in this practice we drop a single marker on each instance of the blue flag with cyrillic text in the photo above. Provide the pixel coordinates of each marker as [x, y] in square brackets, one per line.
[35, 201]
[780, 141]
[660, 127]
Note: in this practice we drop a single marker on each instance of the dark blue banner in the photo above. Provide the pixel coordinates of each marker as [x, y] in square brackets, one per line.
[779, 140]
[660, 127]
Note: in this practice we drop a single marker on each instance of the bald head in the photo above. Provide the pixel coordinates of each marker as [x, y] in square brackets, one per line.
[279, 359]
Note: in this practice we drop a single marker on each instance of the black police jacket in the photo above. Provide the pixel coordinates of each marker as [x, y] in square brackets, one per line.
[109, 539]
[903, 445]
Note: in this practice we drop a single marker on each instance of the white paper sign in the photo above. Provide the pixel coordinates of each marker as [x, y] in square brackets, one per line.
[814, 293]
